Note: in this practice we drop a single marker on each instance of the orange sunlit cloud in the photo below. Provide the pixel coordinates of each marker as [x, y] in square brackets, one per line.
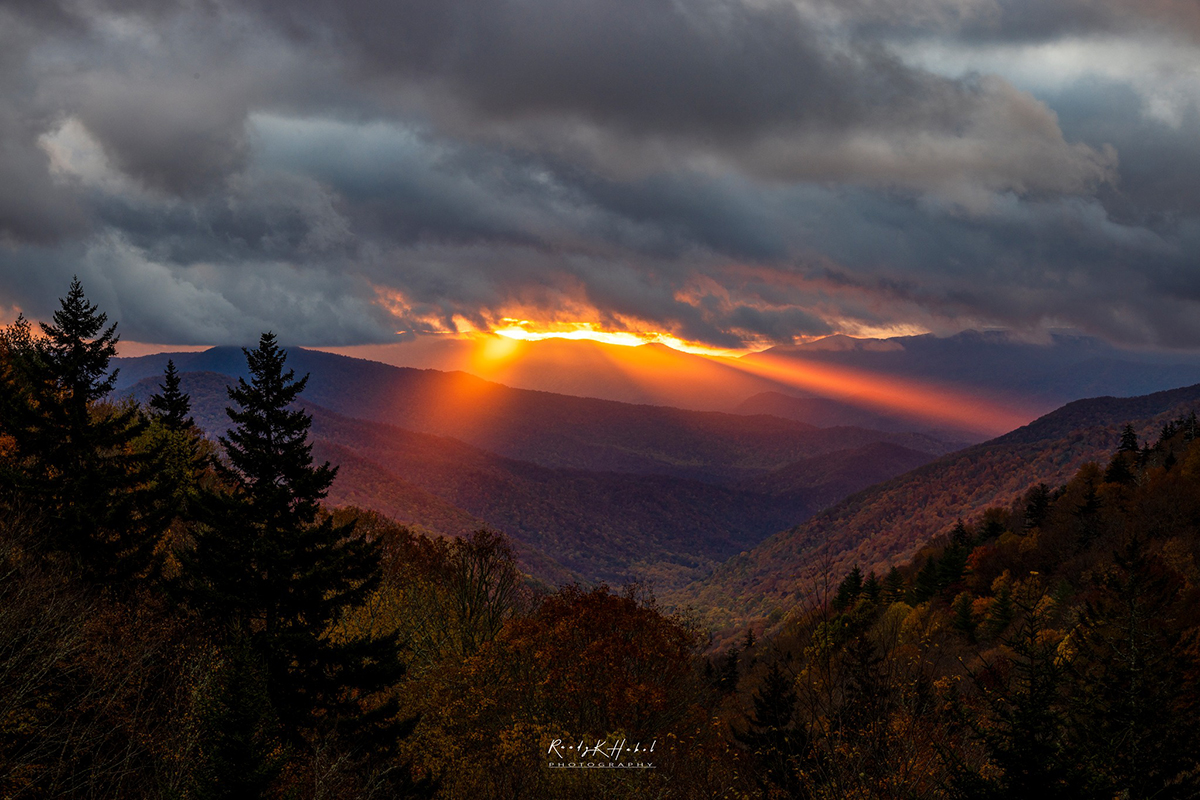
[941, 404]
[524, 330]
[498, 351]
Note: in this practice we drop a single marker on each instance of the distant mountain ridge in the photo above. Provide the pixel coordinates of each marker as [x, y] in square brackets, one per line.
[547, 429]
[567, 523]
[887, 523]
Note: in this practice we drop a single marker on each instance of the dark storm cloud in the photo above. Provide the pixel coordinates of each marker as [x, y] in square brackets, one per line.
[32, 207]
[632, 86]
[1160, 163]
[639, 86]
[723, 171]
[703, 68]
[1015, 20]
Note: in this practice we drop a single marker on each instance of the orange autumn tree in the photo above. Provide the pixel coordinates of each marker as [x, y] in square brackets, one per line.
[585, 665]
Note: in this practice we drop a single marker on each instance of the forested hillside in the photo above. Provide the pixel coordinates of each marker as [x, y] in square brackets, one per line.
[1047, 648]
[185, 618]
[888, 522]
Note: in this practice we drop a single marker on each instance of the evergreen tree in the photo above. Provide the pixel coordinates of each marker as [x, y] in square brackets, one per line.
[1087, 515]
[727, 673]
[1135, 691]
[893, 586]
[1118, 470]
[872, 589]
[183, 455]
[268, 565]
[239, 755]
[1025, 727]
[1001, 612]
[953, 563]
[991, 528]
[74, 454]
[1037, 506]
[927, 584]
[170, 405]
[960, 537]
[778, 745]
[869, 698]
[848, 590]
[964, 620]
[1129, 440]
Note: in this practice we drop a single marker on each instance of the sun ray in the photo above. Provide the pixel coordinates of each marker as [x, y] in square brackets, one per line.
[948, 405]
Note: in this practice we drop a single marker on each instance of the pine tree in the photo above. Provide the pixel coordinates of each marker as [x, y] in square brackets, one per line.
[239, 755]
[1087, 515]
[964, 620]
[1001, 612]
[1118, 470]
[728, 672]
[1135, 693]
[1037, 506]
[74, 453]
[1025, 728]
[1129, 441]
[927, 584]
[170, 405]
[893, 586]
[869, 698]
[953, 563]
[182, 453]
[779, 746]
[268, 564]
[872, 589]
[848, 590]
[960, 537]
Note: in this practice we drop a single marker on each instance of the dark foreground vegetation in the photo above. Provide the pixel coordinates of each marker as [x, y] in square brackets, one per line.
[183, 618]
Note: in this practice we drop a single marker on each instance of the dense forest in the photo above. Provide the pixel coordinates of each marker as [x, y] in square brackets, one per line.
[183, 617]
[890, 522]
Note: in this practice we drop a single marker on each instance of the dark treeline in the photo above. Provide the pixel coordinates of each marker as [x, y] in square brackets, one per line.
[183, 618]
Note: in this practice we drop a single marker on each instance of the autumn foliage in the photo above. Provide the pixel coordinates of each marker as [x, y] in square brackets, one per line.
[218, 632]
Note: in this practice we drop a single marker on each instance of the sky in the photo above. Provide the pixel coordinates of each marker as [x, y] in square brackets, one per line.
[731, 173]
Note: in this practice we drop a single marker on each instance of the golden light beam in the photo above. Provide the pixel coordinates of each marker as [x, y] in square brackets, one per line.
[911, 398]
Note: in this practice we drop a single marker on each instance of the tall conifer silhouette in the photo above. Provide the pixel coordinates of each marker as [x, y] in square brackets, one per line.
[269, 566]
[75, 454]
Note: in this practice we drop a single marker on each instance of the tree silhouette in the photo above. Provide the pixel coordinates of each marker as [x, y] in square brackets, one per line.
[74, 453]
[170, 405]
[778, 746]
[269, 566]
[849, 589]
[1135, 693]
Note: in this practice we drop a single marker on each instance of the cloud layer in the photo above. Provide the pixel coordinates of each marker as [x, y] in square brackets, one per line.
[728, 171]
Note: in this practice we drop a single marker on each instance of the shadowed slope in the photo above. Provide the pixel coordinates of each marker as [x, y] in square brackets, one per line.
[889, 522]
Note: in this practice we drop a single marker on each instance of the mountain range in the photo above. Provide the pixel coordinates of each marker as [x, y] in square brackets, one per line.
[1029, 378]
[667, 495]
[738, 514]
[889, 522]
